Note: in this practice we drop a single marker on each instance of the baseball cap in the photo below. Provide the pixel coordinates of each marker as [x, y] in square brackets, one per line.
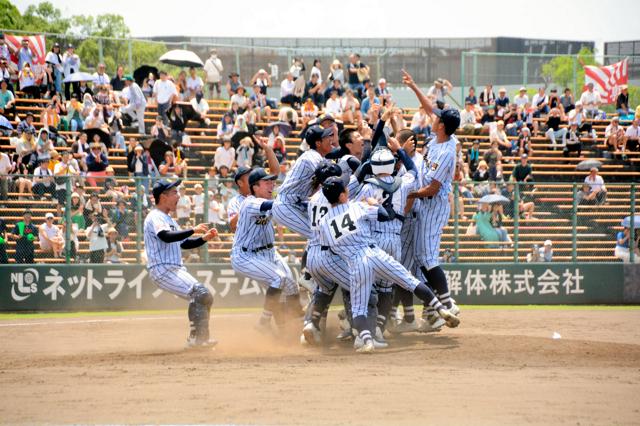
[164, 185]
[128, 77]
[450, 117]
[316, 133]
[259, 174]
[325, 170]
[242, 170]
[522, 89]
[548, 243]
[332, 188]
[49, 215]
[524, 156]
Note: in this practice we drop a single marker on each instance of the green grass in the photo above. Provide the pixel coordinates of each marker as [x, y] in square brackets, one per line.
[53, 315]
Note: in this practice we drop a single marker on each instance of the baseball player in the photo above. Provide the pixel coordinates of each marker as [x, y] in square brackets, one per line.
[241, 179]
[164, 240]
[289, 208]
[254, 255]
[390, 191]
[345, 229]
[437, 174]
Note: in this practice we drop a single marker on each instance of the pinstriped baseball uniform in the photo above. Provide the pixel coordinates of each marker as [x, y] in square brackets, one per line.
[325, 267]
[409, 226]
[253, 254]
[347, 230]
[288, 209]
[164, 260]
[433, 214]
[233, 209]
[387, 234]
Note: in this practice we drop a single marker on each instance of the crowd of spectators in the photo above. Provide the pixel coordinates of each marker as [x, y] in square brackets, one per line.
[83, 125]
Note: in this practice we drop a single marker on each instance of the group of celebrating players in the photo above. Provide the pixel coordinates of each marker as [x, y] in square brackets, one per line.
[373, 213]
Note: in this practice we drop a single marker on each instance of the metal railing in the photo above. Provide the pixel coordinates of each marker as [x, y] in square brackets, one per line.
[581, 228]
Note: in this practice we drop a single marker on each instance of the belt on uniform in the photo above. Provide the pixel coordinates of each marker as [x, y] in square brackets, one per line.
[386, 232]
[257, 249]
[327, 248]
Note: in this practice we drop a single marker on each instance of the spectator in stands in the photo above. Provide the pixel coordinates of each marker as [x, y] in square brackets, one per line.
[334, 105]
[579, 116]
[314, 89]
[160, 130]
[7, 101]
[100, 77]
[225, 127]
[43, 182]
[632, 136]
[421, 123]
[213, 69]
[139, 166]
[97, 163]
[287, 87]
[597, 189]
[487, 97]
[194, 84]
[351, 108]
[297, 68]
[183, 208]
[521, 99]
[554, 130]
[70, 65]
[263, 81]
[244, 153]
[117, 82]
[135, 102]
[96, 234]
[358, 72]
[114, 250]
[25, 234]
[524, 141]
[309, 111]
[540, 103]
[591, 101]
[5, 53]
[488, 117]
[51, 239]
[483, 220]
[233, 83]
[171, 166]
[201, 108]
[315, 69]
[65, 167]
[27, 82]
[614, 136]
[336, 72]
[26, 149]
[25, 55]
[178, 124]
[368, 102]
[181, 86]
[95, 120]
[441, 87]
[623, 246]
[481, 179]
[93, 205]
[335, 86]
[198, 200]
[5, 74]
[471, 97]
[502, 101]
[493, 158]
[77, 211]
[473, 156]
[554, 100]
[80, 150]
[165, 93]
[499, 136]
[546, 253]
[6, 168]
[523, 171]
[534, 255]
[225, 155]
[622, 101]
[382, 92]
[240, 99]
[83, 90]
[120, 219]
[525, 208]
[573, 142]
[4, 259]
[567, 101]
[74, 114]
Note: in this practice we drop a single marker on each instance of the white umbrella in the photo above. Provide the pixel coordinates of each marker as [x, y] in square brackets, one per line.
[181, 58]
[77, 77]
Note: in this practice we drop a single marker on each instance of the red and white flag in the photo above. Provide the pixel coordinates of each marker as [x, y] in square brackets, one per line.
[36, 43]
[607, 79]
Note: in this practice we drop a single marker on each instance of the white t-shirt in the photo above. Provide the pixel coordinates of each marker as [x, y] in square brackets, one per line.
[588, 98]
[224, 157]
[333, 107]
[632, 132]
[521, 100]
[5, 164]
[164, 91]
[198, 203]
[101, 80]
[97, 239]
[194, 83]
[183, 208]
[286, 87]
[597, 183]
[50, 231]
[215, 211]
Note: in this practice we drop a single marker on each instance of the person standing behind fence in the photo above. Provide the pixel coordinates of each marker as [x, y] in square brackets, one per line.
[213, 68]
[165, 93]
[70, 65]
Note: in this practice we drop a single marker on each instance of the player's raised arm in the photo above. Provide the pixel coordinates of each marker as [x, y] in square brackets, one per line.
[422, 98]
[274, 164]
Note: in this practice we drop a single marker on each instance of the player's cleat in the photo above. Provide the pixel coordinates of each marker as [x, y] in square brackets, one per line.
[380, 345]
[380, 337]
[451, 320]
[432, 324]
[345, 335]
[312, 334]
[407, 327]
[193, 343]
[454, 309]
[307, 283]
[344, 322]
[364, 347]
[303, 340]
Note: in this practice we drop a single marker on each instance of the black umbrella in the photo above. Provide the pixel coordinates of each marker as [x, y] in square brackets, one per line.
[237, 137]
[142, 72]
[105, 138]
[157, 148]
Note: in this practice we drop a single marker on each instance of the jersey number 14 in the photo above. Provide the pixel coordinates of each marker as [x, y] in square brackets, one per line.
[346, 226]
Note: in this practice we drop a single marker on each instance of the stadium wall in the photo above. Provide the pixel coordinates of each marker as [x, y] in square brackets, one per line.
[119, 287]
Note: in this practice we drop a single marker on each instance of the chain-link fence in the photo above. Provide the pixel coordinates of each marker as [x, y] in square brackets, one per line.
[533, 222]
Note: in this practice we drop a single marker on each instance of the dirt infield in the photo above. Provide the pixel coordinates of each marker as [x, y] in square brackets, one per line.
[500, 366]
